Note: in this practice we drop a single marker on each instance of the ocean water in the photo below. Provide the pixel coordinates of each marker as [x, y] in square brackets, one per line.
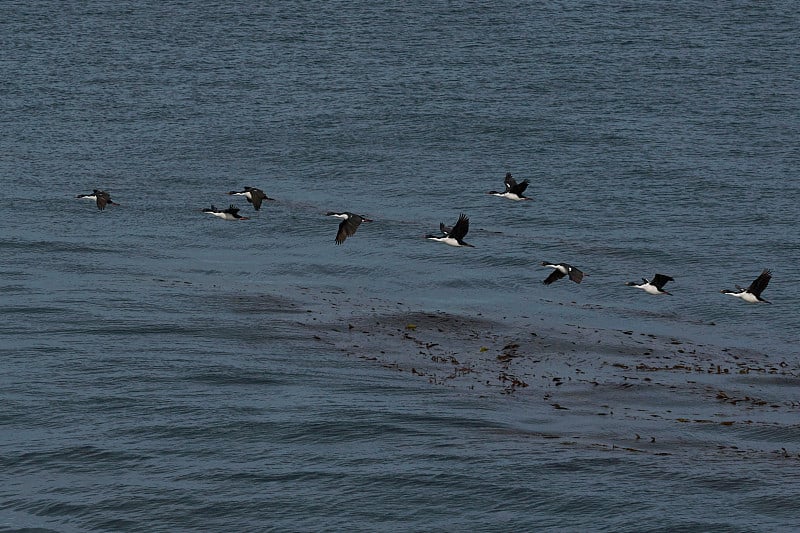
[166, 370]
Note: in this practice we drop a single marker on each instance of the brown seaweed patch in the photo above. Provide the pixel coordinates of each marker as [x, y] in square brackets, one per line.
[746, 399]
[511, 382]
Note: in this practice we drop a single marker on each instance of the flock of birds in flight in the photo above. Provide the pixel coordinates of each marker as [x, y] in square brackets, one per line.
[454, 236]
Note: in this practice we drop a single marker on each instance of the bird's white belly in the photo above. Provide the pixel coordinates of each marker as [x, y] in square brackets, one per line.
[447, 240]
[748, 297]
[650, 289]
[511, 196]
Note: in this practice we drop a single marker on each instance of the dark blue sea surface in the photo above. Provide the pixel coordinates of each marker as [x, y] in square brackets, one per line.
[165, 370]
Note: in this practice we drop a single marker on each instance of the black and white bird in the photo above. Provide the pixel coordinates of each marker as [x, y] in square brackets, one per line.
[453, 236]
[654, 286]
[513, 190]
[349, 224]
[253, 195]
[752, 294]
[231, 213]
[561, 270]
[102, 198]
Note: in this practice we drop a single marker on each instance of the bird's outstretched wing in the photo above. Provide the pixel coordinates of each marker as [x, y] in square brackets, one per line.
[555, 275]
[258, 197]
[760, 283]
[347, 228]
[659, 280]
[519, 188]
[460, 229]
[510, 182]
[575, 274]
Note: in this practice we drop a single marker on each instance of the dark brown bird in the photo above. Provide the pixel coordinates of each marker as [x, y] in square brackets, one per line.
[561, 270]
[253, 195]
[349, 224]
[513, 190]
[453, 236]
[102, 198]
[752, 294]
[231, 213]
